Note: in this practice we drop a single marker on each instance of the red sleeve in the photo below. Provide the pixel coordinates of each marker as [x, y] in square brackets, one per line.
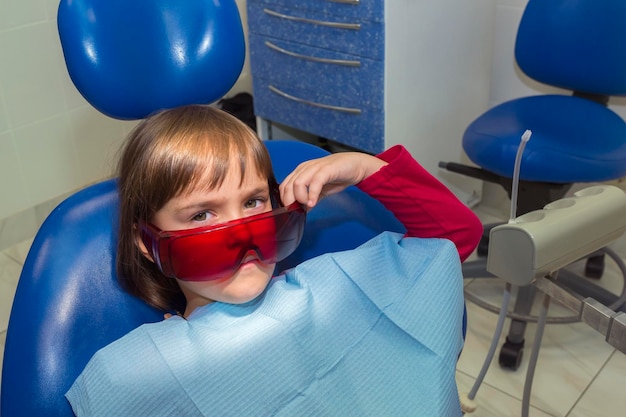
[423, 204]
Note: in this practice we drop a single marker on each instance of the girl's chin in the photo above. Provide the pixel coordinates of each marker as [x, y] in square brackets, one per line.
[243, 295]
[248, 282]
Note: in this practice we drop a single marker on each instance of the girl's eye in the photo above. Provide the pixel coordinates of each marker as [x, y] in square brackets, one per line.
[254, 203]
[200, 217]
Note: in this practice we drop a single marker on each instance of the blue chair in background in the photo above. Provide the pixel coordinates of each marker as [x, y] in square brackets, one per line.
[574, 45]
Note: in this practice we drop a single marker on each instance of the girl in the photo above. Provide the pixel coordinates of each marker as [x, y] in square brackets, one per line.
[202, 225]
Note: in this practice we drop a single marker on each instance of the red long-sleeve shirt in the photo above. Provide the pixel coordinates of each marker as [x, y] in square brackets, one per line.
[421, 203]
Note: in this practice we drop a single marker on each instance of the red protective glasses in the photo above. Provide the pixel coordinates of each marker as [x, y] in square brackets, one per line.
[214, 252]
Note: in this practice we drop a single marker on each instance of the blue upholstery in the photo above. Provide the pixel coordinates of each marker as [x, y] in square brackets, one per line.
[68, 303]
[576, 45]
[129, 58]
[573, 140]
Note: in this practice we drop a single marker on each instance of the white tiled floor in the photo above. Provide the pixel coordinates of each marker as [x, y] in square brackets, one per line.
[578, 374]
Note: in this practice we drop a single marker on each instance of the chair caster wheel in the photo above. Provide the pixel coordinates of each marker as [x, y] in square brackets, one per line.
[511, 355]
[594, 267]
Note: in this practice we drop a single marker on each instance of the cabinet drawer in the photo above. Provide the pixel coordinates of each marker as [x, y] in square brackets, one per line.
[313, 69]
[361, 38]
[356, 9]
[360, 127]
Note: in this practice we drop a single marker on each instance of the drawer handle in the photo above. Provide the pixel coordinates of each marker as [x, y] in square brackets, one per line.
[355, 2]
[313, 58]
[351, 26]
[313, 103]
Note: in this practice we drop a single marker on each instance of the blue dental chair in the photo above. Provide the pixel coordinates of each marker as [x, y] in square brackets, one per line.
[68, 303]
[577, 46]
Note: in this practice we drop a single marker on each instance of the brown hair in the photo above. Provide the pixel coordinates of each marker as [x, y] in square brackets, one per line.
[165, 156]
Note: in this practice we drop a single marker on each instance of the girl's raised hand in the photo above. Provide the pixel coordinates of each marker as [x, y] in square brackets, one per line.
[313, 180]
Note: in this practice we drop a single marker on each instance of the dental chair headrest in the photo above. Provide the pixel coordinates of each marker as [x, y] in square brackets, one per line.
[130, 58]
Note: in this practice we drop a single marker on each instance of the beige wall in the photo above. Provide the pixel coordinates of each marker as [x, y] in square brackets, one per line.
[51, 141]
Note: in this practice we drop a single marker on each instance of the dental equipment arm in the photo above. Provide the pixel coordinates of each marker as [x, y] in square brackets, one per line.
[599, 317]
[537, 244]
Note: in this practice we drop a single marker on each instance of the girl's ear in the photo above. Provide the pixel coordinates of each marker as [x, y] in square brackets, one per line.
[141, 246]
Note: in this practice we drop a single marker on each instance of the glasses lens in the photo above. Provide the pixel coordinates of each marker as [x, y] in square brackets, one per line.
[215, 253]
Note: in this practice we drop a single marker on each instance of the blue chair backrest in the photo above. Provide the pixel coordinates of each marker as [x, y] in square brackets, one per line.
[68, 303]
[129, 58]
[577, 45]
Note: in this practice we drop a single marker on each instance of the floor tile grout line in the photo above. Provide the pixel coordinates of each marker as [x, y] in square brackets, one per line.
[582, 394]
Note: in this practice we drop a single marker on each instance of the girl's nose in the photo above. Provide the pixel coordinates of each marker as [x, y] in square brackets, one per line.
[239, 236]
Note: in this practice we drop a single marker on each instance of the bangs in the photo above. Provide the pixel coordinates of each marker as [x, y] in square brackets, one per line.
[190, 159]
[186, 149]
[209, 169]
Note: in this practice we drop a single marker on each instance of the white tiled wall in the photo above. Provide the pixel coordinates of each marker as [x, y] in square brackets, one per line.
[52, 141]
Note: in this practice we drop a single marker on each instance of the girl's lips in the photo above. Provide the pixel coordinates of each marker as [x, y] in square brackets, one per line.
[249, 262]
[251, 257]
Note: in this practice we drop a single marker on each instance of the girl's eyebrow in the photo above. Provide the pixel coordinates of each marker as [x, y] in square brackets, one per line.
[207, 203]
[194, 206]
[256, 192]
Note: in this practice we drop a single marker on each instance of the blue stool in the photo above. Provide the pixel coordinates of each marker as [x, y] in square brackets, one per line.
[577, 46]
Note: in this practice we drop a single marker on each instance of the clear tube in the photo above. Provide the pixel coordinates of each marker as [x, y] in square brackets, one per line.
[516, 169]
[467, 401]
[494, 341]
[534, 354]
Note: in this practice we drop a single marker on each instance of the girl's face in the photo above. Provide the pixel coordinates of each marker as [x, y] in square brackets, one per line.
[232, 200]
